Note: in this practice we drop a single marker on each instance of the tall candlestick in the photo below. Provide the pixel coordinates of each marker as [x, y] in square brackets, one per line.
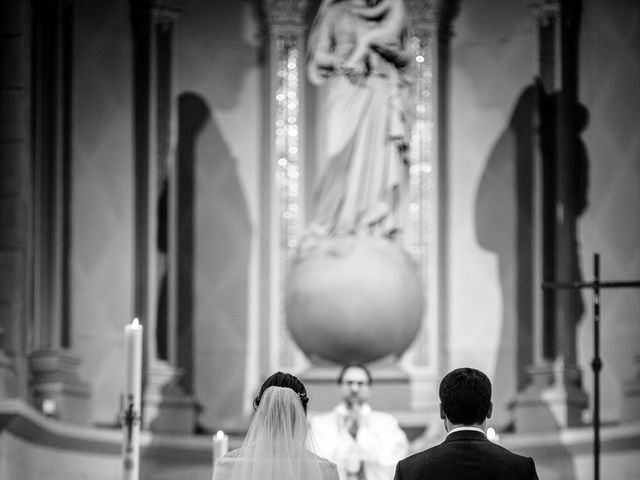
[220, 445]
[132, 396]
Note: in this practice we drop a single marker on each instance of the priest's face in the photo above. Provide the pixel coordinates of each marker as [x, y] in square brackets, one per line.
[355, 386]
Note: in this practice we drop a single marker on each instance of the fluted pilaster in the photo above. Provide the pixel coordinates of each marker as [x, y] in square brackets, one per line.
[166, 406]
[554, 398]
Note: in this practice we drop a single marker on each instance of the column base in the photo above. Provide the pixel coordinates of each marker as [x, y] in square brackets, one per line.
[166, 406]
[56, 389]
[553, 400]
[631, 396]
[7, 376]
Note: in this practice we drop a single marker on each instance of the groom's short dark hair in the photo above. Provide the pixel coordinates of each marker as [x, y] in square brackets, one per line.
[465, 395]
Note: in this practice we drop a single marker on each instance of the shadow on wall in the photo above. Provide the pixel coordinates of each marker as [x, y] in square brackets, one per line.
[222, 276]
[504, 225]
[193, 114]
[217, 60]
[213, 263]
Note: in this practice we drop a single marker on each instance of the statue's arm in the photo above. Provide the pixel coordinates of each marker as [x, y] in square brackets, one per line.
[323, 60]
[393, 52]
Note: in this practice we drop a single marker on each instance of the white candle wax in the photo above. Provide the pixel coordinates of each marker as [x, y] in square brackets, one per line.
[133, 364]
[132, 399]
[220, 445]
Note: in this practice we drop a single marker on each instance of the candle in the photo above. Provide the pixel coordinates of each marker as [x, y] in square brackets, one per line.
[132, 398]
[220, 444]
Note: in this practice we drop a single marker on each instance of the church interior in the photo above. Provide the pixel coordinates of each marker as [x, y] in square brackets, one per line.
[158, 161]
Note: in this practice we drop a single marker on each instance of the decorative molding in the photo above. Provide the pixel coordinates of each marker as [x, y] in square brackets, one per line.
[431, 16]
[163, 12]
[7, 375]
[423, 15]
[168, 7]
[546, 10]
[285, 17]
[56, 388]
[423, 11]
[552, 401]
[166, 406]
[631, 395]
[285, 12]
[25, 422]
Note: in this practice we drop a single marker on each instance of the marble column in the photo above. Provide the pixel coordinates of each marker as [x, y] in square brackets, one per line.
[14, 191]
[55, 387]
[424, 237]
[554, 398]
[166, 406]
[284, 176]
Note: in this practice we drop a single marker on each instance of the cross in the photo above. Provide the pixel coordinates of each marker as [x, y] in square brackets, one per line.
[596, 364]
[129, 418]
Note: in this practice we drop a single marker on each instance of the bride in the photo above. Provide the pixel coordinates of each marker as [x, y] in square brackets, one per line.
[278, 444]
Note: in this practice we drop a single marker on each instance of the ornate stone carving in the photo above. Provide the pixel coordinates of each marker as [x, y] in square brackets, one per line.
[431, 16]
[175, 6]
[423, 12]
[56, 388]
[546, 10]
[164, 12]
[285, 17]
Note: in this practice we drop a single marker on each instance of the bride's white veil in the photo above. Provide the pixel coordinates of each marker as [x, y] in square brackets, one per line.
[276, 445]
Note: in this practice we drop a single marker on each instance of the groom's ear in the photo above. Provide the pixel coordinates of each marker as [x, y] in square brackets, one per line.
[442, 414]
[490, 411]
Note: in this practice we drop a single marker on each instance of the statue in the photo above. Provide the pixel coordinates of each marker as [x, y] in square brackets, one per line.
[353, 293]
[359, 57]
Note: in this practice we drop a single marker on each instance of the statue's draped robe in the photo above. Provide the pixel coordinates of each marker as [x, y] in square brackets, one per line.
[361, 165]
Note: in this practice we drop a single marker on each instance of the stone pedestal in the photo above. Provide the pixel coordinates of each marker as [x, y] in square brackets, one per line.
[166, 407]
[631, 396]
[554, 400]
[56, 388]
[7, 376]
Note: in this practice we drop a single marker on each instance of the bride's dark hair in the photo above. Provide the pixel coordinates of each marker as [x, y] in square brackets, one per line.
[285, 380]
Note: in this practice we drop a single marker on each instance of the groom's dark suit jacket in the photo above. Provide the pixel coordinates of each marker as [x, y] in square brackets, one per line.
[466, 455]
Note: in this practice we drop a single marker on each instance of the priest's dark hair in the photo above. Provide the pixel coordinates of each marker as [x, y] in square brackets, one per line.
[354, 365]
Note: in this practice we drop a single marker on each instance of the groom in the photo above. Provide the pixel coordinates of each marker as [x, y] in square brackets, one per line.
[466, 453]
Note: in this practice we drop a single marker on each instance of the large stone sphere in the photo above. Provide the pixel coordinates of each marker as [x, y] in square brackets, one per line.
[354, 299]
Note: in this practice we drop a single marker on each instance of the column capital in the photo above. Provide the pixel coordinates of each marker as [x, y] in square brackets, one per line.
[424, 17]
[430, 17]
[547, 10]
[285, 17]
[162, 11]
